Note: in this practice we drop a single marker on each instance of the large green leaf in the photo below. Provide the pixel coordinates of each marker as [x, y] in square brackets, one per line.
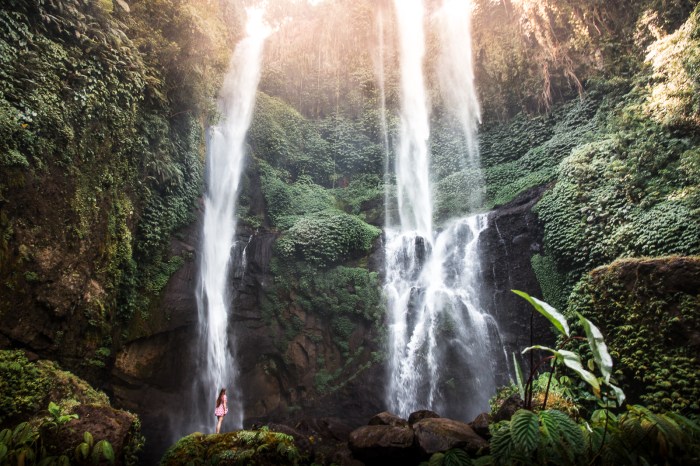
[524, 429]
[598, 347]
[619, 394]
[550, 313]
[502, 445]
[560, 428]
[519, 377]
[573, 362]
[456, 457]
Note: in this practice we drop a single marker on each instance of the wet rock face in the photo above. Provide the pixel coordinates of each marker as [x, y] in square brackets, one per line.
[513, 236]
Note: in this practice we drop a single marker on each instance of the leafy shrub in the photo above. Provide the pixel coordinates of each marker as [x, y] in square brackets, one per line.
[326, 238]
[287, 141]
[23, 387]
[244, 447]
[645, 311]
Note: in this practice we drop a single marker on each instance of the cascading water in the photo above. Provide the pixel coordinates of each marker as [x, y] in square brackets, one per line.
[442, 343]
[225, 163]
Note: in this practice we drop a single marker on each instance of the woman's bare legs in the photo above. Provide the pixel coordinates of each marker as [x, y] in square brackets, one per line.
[218, 424]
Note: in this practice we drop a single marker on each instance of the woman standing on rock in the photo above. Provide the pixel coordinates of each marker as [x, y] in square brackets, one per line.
[221, 409]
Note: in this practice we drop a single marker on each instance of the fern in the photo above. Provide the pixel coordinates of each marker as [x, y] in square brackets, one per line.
[502, 444]
[560, 428]
[436, 459]
[524, 428]
[456, 457]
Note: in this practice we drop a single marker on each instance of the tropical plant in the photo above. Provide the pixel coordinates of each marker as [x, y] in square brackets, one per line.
[636, 436]
[90, 452]
[58, 417]
[27, 445]
[452, 457]
[571, 359]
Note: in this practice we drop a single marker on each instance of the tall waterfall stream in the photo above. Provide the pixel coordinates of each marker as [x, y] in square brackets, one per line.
[225, 163]
[442, 342]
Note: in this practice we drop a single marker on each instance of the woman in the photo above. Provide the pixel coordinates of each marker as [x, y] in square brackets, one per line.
[221, 409]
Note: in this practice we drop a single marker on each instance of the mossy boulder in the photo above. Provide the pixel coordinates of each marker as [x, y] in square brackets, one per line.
[245, 447]
[28, 387]
[649, 313]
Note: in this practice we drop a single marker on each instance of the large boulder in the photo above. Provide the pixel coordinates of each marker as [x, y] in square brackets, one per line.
[387, 419]
[480, 425]
[508, 408]
[420, 415]
[120, 428]
[440, 434]
[383, 445]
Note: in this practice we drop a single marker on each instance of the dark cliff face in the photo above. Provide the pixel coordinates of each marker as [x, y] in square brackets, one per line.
[514, 235]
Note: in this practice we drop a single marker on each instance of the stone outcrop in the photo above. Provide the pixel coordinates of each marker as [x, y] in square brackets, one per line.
[390, 439]
[381, 444]
[386, 418]
[438, 434]
[513, 236]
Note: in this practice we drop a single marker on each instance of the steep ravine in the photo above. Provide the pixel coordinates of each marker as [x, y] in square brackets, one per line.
[152, 374]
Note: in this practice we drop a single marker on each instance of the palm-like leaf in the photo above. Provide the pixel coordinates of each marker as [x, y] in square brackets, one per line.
[549, 312]
[598, 347]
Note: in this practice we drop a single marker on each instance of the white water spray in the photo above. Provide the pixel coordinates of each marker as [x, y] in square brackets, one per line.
[414, 195]
[456, 68]
[441, 341]
[225, 163]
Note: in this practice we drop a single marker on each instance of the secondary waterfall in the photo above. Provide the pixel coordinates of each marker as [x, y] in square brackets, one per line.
[225, 163]
[441, 341]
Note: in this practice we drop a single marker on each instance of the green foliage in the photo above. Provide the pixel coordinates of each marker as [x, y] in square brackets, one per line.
[27, 444]
[551, 314]
[553, 284]
[287, 141]
[639, 436]
[645, 316]
[287, 202]
[327, 238]
[547, 437]
[452, 457]
[243, 447]
[103, 111]
[23, 386]
[91, 452]
[363, 196]
[572, 359]
[563, 394]
[58, 418]
[525, 152]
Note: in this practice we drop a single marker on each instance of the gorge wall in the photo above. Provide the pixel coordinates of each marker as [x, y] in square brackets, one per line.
[101, 176]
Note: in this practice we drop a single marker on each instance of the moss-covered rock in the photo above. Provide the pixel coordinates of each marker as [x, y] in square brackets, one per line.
[260, 447]
[649, 313]
[27, 387]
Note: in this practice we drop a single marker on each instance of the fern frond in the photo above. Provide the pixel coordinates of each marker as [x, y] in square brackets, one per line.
[502, 444]
[436, 459]
[456, 457]
[524, 427]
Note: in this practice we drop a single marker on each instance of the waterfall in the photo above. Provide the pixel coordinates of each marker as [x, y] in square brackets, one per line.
[225, 163]
[443, 344]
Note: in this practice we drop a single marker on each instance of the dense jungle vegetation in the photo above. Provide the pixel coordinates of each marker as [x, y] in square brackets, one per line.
[103, 113]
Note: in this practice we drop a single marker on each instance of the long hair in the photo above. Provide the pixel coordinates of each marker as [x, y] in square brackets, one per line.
[221, 397]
